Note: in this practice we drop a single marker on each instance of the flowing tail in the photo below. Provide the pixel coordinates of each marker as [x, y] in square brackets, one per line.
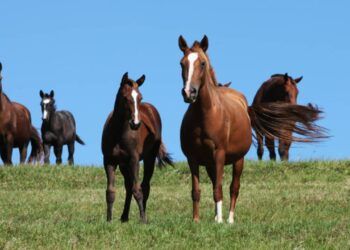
[37, 146]
[164, 157]
[281, 120]
[79, 140]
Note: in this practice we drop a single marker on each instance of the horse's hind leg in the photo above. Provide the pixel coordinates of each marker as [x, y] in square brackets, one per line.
[23, 153]
[3, 153]
[283, 149]
[71, 153]
[110, 191]
[128, 189]
[234, 187]
[149, 162]
[270, 144]
[260, 150]
[58, 154]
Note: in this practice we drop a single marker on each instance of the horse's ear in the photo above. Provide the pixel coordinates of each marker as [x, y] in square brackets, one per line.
[204, 43]
[0, 67]
[286, 77]
[41, 93]
[52, 93]
[124, 78]
[297, 80]
[141, 80]
[182, 44]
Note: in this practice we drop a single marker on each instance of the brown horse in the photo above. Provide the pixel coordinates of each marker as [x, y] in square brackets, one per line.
[217, 127]
[132, 133]
[16, 130]
[279, 88]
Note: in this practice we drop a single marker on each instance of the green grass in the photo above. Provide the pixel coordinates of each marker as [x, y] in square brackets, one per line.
[281, 206]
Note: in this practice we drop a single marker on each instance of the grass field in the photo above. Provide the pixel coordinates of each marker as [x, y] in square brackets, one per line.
[281, 206]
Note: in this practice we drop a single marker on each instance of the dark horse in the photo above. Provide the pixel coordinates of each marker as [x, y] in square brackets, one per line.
[217, 127]
[58, 129]
[16, 130]
[279, 88]
[132, 132]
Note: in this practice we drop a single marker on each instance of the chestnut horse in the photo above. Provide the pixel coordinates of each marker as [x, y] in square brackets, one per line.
[16, 130]
[132, 133]
[279, 88]
[217, 127]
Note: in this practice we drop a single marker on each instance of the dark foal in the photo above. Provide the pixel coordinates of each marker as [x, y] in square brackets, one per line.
[282, 89]
[16, 130]
[132, 133]
[58, 129]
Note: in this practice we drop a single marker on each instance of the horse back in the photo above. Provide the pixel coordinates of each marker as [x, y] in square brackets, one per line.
[272, 90]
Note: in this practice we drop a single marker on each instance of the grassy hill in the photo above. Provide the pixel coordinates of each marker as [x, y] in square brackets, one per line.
[281, 205]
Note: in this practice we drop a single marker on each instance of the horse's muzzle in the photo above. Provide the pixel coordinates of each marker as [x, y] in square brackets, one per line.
[133, 125]
[189, 97]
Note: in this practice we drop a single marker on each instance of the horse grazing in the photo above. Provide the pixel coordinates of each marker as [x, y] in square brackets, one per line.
[58, 129]
[217, 127]
[132, 132]
[16, 130]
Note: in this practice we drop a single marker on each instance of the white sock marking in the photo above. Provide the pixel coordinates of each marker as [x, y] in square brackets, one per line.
[218, 210]
[192, 57]
[231, 219]
[134, 95]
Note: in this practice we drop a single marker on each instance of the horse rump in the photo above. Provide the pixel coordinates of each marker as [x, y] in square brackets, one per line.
[164, 157]
[281, 120]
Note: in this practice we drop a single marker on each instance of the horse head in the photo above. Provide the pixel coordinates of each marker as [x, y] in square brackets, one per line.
[130, 99]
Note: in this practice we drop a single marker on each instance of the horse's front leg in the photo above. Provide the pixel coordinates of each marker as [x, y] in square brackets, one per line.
[136, 187]
[217, 192]
[47, 153]
[237, 169]
[196, 192]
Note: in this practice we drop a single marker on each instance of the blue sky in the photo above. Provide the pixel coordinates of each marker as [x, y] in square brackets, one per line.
[81, 49]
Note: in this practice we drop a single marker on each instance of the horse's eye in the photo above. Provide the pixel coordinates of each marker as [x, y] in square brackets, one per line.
[202, 64]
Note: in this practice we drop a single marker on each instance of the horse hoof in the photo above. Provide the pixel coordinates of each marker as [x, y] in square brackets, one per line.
[196, 220]
[218, 220]
[230, 221]
[124, 219]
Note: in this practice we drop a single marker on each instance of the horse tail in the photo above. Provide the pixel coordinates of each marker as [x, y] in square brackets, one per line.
[281, 120]
[164, 157]
[37, 146]
[79, 140]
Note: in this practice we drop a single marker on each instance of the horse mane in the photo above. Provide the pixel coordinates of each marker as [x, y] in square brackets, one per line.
[7, 98]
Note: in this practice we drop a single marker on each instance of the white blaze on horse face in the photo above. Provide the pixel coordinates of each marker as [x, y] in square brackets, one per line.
[218, 210]
[45, 113]
[134, 95]
[192, 57]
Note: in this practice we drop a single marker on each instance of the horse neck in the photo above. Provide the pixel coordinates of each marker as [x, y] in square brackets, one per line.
[207, 93]
[3, 102]
[47, 124]
[119, 116]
